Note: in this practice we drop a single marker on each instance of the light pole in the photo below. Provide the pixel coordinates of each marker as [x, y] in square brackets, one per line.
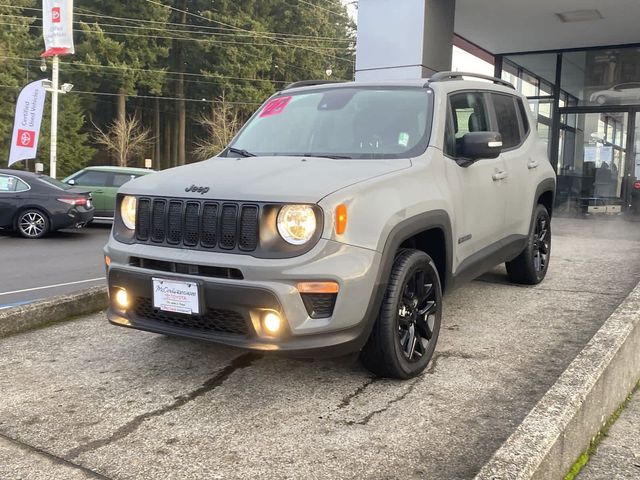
[54, 116]
[53, 87]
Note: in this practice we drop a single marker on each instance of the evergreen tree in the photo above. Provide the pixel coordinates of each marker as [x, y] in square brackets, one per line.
[187, 53]
[131, 54]
[75, 148]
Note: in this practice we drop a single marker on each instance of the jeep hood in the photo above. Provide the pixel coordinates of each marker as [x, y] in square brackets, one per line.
[262, 179]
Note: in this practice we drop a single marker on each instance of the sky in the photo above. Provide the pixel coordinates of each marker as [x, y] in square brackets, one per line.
[351, 8]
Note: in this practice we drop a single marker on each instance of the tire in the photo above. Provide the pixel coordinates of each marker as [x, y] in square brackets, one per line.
[530, 267]
[32, 223]
[406, 331]
[601, 99]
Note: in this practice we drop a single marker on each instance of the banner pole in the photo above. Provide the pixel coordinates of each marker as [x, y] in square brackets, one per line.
[54, 116]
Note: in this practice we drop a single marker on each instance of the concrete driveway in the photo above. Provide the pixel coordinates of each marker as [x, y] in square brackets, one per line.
[89, 400]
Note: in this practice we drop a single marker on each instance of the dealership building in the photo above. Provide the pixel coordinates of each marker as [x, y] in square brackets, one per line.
[577, 61]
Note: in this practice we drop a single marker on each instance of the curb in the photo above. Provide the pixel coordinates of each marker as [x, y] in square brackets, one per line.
[561, 425]
[52, 310]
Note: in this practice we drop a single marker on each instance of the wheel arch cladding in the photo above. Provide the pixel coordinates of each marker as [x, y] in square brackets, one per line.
[545, 194]
[429, 232]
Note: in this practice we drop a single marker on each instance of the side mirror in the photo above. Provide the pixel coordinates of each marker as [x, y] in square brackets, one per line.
[478, 145]
[71, 182]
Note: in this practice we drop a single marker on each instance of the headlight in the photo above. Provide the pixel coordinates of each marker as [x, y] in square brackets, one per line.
[296, 223]
[128, 211]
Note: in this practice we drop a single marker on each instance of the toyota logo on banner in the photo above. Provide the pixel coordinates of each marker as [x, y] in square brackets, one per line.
[26, 138]
[57, 27]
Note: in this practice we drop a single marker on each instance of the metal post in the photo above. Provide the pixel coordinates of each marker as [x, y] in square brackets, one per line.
[54, 116]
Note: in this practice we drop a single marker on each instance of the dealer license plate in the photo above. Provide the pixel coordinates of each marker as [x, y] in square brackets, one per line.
[174, 296]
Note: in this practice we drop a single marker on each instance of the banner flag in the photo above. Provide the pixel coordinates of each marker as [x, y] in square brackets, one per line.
[57, 22]
[26, 126]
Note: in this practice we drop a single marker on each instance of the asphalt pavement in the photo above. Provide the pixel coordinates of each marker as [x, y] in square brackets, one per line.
[62, 262]
[86, 399]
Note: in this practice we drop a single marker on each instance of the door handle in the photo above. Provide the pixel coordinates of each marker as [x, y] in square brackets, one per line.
[531, 164]
[98, 191]
[501, 175]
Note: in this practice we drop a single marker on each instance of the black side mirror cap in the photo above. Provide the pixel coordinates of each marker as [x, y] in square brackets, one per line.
[479, 145]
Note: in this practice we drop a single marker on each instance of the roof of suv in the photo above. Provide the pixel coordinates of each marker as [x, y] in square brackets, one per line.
[140, 171]
[448, 80]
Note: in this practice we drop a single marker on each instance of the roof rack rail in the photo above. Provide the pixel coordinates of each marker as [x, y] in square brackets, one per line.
[444, 76]
[309, 83]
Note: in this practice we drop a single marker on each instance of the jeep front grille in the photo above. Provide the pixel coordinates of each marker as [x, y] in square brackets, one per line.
[198, 224]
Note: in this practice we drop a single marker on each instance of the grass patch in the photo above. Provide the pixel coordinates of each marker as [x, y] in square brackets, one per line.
[583, 459]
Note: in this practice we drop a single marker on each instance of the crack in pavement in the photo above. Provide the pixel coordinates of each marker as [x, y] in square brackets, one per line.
[402, 396]
[348, 398]
[238, 363]
[399, 398]
[446, 354]
[54, 458]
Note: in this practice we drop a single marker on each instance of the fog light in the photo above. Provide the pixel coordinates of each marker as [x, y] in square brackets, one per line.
[122, 299]
[271, 322]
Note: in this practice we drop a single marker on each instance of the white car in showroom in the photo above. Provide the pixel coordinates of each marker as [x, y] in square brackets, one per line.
[621, 93]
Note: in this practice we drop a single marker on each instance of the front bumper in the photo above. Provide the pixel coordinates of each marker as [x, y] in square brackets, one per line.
[231, 308]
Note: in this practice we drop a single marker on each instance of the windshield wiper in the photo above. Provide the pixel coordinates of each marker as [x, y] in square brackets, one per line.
[321, 155]
[241, 151]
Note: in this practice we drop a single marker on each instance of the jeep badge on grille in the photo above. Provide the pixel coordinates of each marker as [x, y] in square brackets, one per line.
[195, 189]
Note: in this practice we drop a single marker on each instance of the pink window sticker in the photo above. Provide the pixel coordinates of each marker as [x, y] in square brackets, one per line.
[275, 106]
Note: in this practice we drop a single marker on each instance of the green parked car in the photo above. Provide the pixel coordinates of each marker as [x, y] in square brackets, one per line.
[103, 183]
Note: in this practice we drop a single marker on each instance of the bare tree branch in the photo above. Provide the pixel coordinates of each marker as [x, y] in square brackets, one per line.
[124, 139]
[221, 125]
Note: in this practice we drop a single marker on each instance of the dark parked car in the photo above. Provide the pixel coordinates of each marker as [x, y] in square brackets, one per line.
[34, 204]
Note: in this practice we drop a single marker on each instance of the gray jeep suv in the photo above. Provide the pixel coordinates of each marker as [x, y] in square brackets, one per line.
[336, 219]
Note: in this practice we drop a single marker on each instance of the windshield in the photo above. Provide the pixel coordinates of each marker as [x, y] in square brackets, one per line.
[53, 182]
[341, 123]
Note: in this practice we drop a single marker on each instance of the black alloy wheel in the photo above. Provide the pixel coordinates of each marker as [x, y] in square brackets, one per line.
[406, 331]
[530, 267]
[541, 244]
[416, 315]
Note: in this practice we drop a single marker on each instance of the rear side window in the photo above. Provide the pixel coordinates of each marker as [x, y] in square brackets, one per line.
[468, 113]
[8, 184]
[92, 179]
[21, 186]
[508, 121]
[12, 184]
[120, 179]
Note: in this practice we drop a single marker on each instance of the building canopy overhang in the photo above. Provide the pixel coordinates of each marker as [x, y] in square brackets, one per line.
[507, 26]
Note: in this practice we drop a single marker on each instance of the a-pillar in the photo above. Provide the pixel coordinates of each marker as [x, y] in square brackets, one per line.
[401, 39]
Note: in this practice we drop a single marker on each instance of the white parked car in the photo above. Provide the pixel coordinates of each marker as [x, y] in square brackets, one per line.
[621, 93]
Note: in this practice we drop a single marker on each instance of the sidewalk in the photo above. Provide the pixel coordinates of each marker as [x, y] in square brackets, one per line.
[618, 455]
